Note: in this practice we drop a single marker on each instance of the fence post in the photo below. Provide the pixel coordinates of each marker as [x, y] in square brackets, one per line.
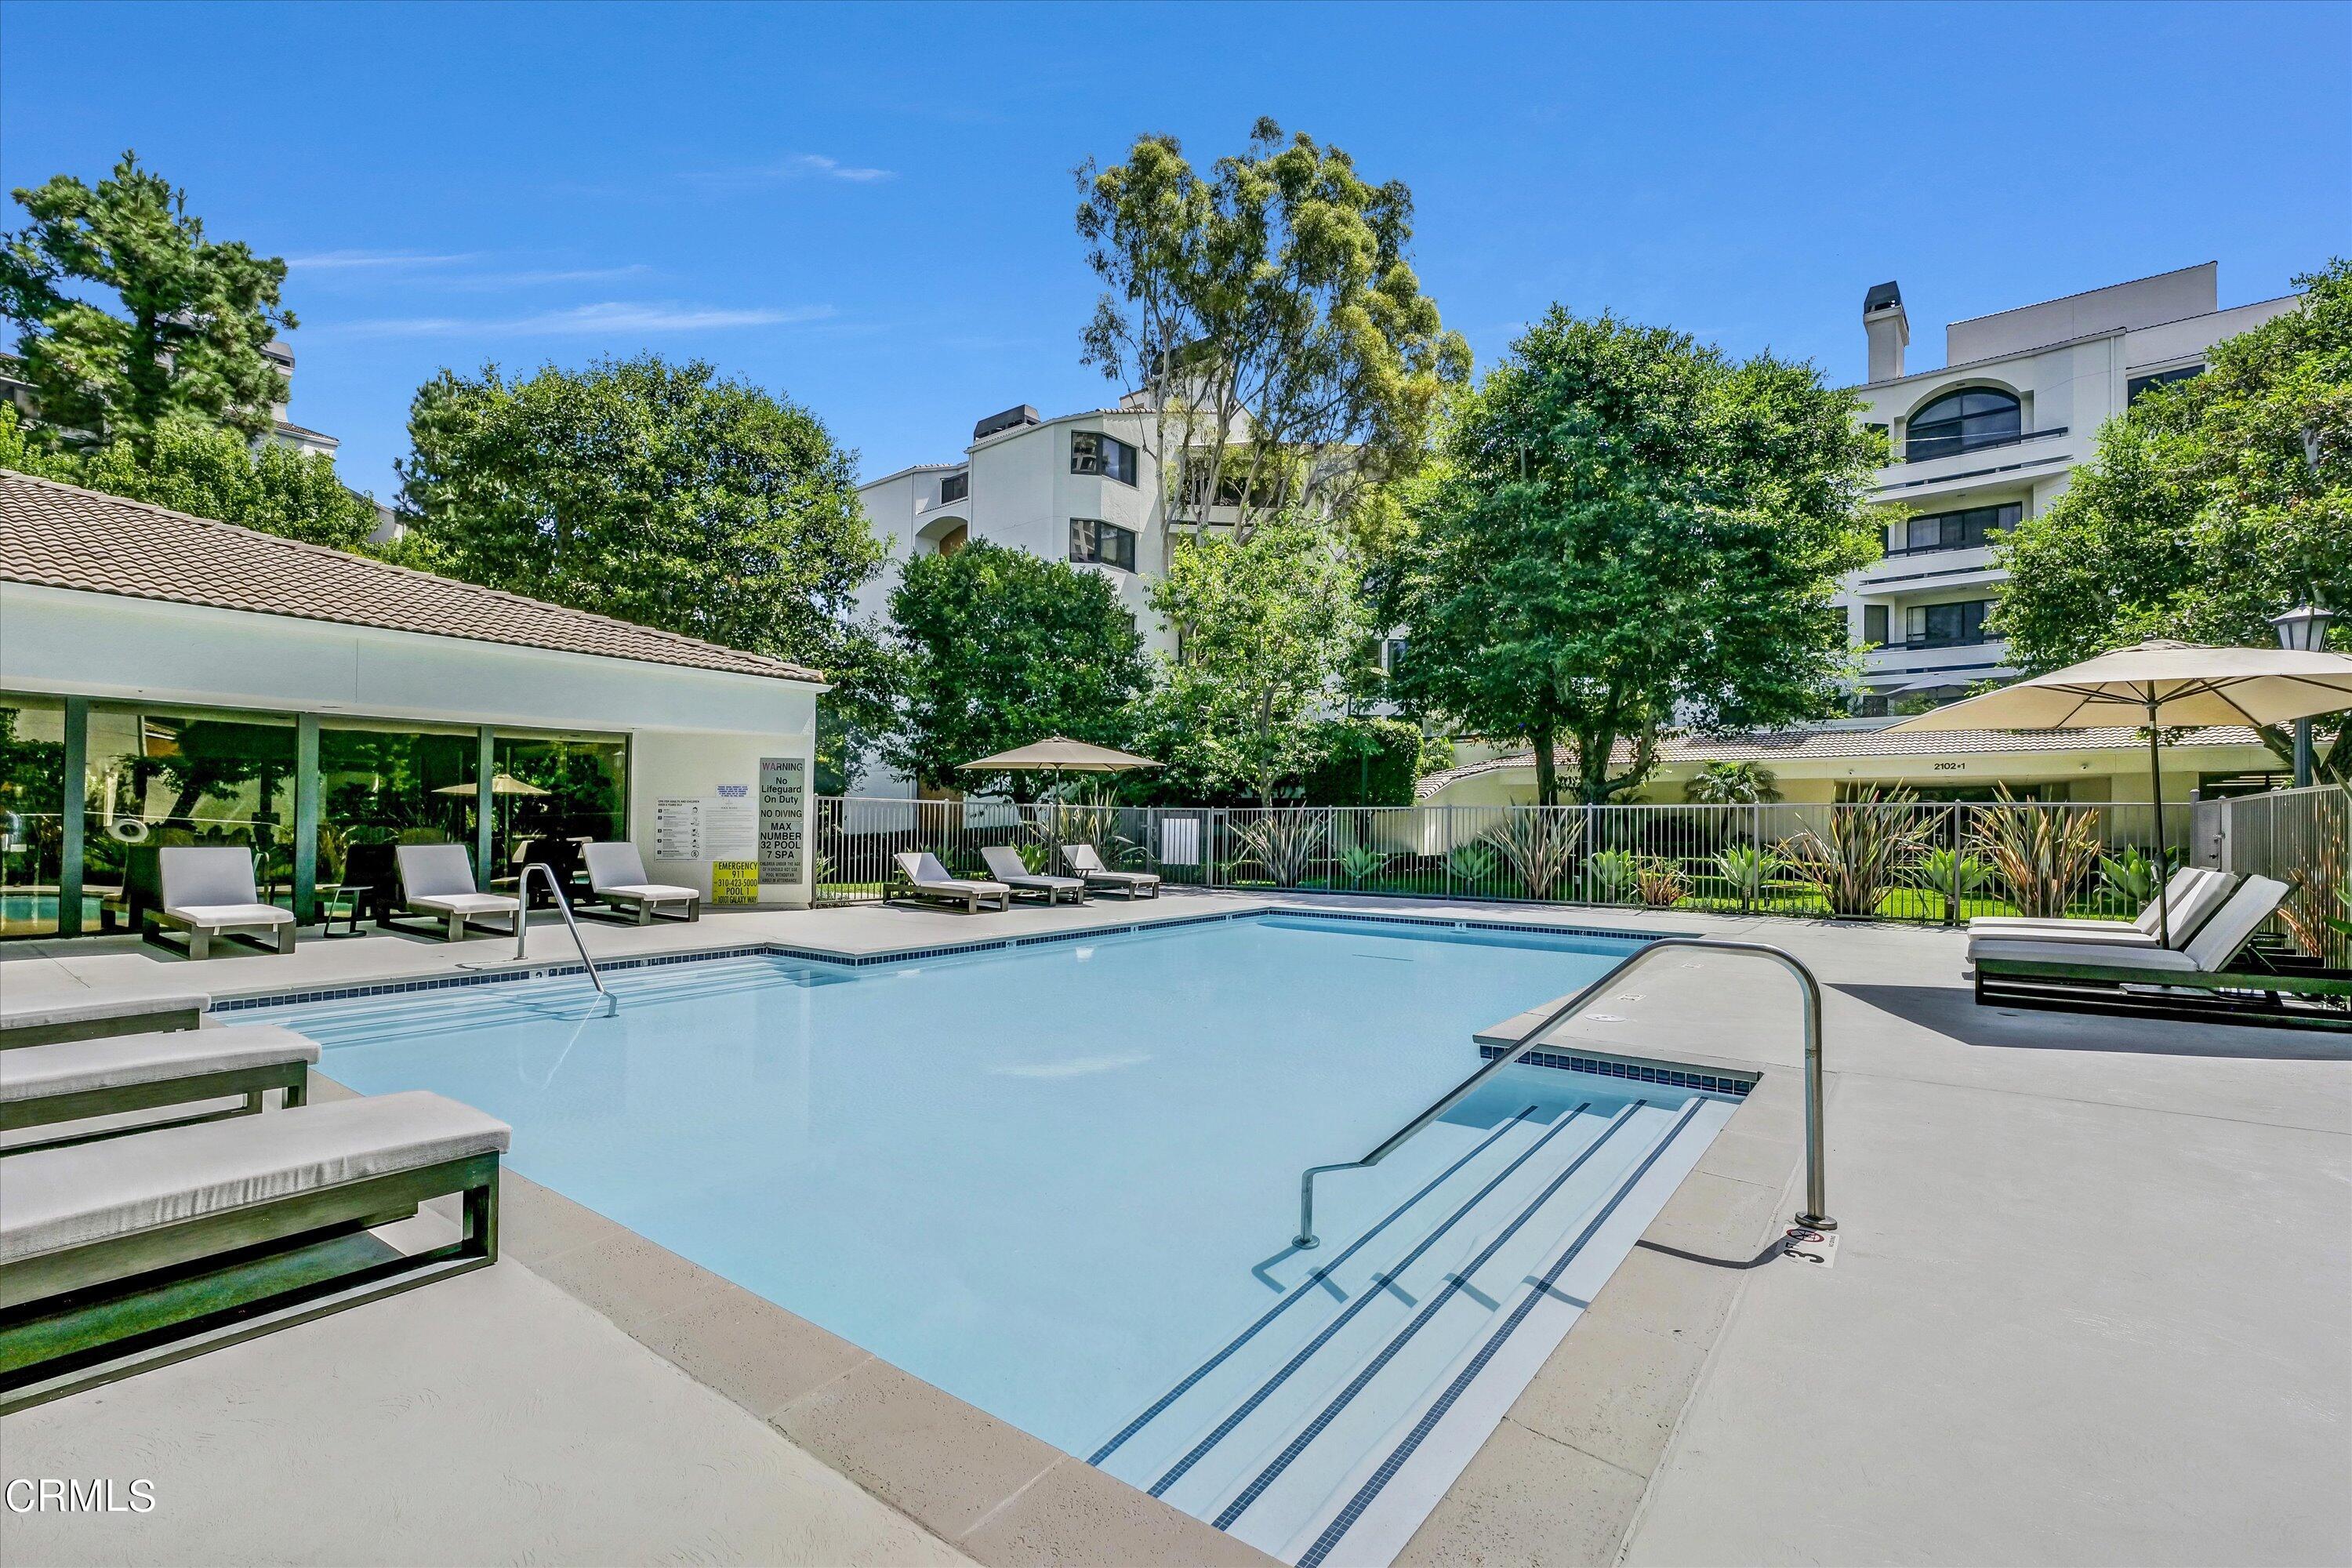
[1952, 903]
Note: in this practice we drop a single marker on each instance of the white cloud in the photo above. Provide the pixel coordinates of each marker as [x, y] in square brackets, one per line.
[796, 166]
[613, 316]
[351, 261]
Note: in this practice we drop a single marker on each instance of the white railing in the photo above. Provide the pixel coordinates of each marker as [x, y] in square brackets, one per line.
[1924, 862]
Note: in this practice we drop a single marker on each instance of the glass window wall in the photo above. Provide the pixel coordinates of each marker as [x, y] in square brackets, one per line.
[31, 820]
[162, 776]
[553, 794]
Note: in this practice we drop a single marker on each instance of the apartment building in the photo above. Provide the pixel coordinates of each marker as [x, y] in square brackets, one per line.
[1990, 436]
[1083, 488]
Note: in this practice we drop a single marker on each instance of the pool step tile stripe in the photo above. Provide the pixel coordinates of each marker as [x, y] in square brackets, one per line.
[1441, 1304]
[1375, 1509]
[1361, 1306]
[1318, 1284]
[1354, 1350]
[1334, 1327]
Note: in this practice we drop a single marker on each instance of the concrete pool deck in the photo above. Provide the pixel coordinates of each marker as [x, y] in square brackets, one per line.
[2091, 1304]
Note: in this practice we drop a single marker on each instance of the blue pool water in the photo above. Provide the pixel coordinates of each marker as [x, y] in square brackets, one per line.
[1054, 1179]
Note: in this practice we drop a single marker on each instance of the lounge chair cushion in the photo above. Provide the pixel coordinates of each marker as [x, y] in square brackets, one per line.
[2183, 883]
[1005, 864]
[112, 1061]
[925, 874]
[2106, 956]
[615, 867]
[218, 915]
[651, 892]
[434, 871]
[2217, 941]
[2192, 905]
[466, 903]
[54, 1199]
[195, 876]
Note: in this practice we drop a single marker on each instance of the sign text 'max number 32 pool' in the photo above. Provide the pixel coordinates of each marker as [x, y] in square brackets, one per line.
[784, 818]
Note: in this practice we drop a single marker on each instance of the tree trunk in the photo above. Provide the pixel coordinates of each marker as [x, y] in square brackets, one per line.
[1547, 764]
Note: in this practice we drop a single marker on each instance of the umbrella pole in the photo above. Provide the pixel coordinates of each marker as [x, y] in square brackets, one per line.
[2156, 793]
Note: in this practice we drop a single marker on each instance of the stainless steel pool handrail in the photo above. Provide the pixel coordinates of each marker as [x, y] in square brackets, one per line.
[1816, 1212]
[563, 908]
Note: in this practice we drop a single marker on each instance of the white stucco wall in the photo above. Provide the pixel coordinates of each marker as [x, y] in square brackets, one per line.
[689, 729]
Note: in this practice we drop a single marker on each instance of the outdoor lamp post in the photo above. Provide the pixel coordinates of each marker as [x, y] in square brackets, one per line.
[2304, 629]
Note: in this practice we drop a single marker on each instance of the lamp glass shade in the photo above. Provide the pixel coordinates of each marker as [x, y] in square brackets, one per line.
[2304, 629]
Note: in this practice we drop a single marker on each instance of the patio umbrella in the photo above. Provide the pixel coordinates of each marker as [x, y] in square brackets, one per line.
[2159, 685]
[1058, 755]
[500, 783]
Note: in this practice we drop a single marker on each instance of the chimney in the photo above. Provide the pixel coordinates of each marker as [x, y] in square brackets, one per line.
[1889, 330]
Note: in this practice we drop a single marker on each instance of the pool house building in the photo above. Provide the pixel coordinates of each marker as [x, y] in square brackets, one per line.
[167, 680]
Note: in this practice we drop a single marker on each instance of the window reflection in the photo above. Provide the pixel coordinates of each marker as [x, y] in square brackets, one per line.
[32, 798]
[553, 794]
[162, 776]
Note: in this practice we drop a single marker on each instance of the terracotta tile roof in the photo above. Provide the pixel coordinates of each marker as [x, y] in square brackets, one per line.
[1816, 745]
[59, 536]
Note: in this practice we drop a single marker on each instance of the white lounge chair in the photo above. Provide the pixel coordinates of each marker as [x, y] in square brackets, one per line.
[115, 1255]
[2192, 897]
[1004, 863]
[208, 891]
[437, 880]
[1082, 858]
[925, 878]
[2208, 953]
[41, 1085]
[616, 876]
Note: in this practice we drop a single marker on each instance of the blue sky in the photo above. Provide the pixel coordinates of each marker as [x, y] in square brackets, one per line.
[868, 208]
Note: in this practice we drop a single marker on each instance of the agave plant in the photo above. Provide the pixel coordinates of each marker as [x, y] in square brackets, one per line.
[2130, 876]
[1949, 874]
[1870, 848]
[1659, 883]
[1747, 868]
[1540, 843]
[1282, 842]
[1472, 863]
[1360, 863]
[1612, 874]
[2044, 856]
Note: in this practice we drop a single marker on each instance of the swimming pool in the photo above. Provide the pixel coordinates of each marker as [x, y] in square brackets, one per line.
[1059, 1180]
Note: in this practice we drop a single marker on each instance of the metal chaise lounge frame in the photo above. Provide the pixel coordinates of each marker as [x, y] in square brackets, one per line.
[2162, 982]
[1082, 859]
[208, 891]
[77, 1080]
[617, 878]
[87, 1312]
[1021, 879]
[923, 877]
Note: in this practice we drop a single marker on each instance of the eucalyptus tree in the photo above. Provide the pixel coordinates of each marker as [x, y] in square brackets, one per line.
[1267, 314]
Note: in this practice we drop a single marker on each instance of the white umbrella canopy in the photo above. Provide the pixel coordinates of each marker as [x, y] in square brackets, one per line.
[2171, 685]
[1059, 755]
[2159, 685]
[500, 783]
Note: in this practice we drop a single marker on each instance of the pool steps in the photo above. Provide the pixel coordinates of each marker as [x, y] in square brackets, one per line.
[1324, 1431]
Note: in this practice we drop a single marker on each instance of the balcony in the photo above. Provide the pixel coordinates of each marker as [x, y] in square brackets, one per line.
[1933, 448]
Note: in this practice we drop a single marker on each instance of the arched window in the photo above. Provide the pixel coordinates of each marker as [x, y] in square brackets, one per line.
[1962, 422]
